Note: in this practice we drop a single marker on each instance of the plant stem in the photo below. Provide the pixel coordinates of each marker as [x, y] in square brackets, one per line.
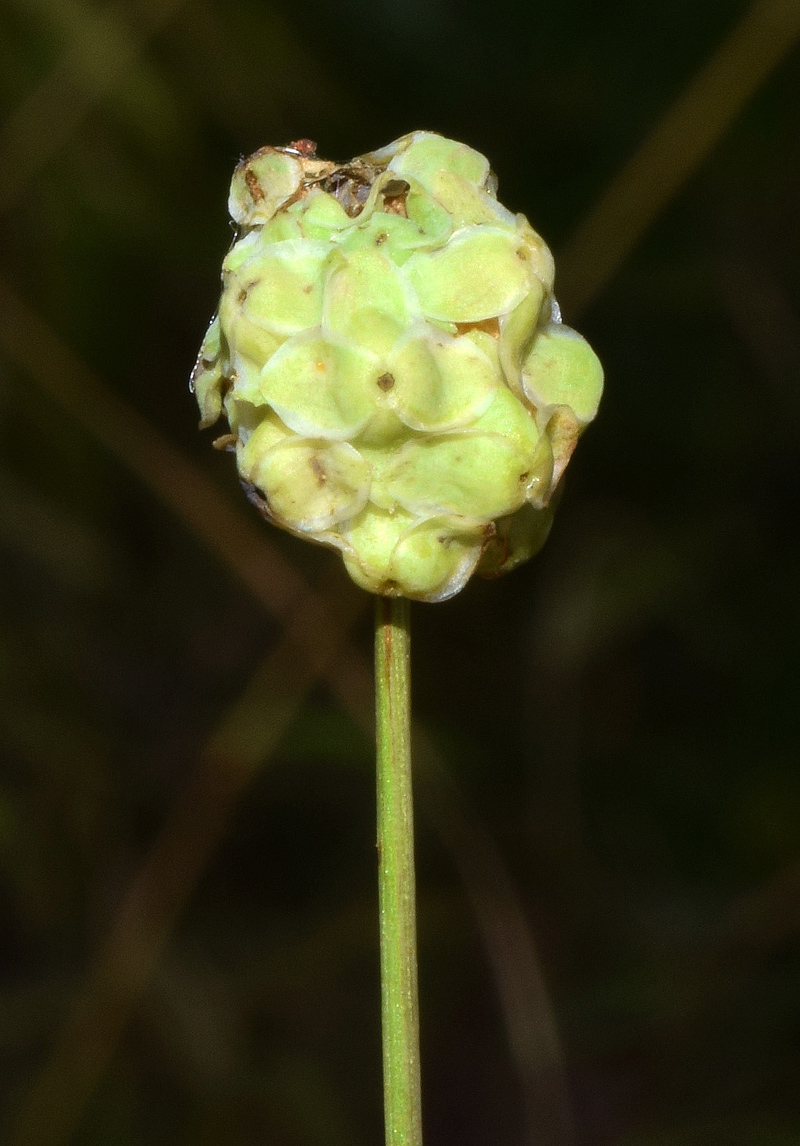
[398, 927]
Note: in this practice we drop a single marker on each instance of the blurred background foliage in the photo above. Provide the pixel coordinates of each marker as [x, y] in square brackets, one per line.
[609, 794]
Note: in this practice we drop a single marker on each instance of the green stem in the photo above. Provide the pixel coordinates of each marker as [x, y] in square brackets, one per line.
[398, 927]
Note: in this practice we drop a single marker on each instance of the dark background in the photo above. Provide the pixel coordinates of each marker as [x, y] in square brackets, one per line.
[608, 783]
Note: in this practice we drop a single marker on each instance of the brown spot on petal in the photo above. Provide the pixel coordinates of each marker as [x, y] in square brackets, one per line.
[318, 470]
[253, 186]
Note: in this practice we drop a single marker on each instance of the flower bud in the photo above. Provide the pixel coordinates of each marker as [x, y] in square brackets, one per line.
[392, 364]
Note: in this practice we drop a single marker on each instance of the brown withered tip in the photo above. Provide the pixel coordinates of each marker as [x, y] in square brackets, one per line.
[305, 147]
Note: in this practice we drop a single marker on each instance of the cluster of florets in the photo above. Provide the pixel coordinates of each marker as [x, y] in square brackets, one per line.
[392, 363]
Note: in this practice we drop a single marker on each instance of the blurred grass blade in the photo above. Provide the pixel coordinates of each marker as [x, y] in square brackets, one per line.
[237, 540]
[675, 149]
[528, 1016]
[103, 48]
[244, 739]
[307, 85]
[32, 525]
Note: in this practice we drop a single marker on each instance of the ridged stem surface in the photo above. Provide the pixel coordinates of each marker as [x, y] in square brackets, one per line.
[398, 929]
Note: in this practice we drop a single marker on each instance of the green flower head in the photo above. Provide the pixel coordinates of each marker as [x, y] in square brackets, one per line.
[392, 363]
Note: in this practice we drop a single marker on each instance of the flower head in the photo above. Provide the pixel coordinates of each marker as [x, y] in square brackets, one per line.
[392, 363]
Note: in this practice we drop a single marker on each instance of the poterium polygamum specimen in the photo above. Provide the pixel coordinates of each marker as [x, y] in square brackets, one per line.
[392, 363]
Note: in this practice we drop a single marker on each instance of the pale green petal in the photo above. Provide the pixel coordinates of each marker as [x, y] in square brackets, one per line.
[262, 184]
[439, 383]
[479, 476]
[207, 381]
[394, 553]
[310, 485]
[320, 216]
[561, 369]
[396, 236]
[282, 228]
[536, 252]
[434, 560]
[517, 538]
[252, 344]
[268, 432]
[241, 252]
[563, 430]
[365, 301]
[428, 154]
[424, 212]
[517, 331]
[320, 390]
[478, 275]
[465, 203]
[371, 538]
[282, 289]
[507, 416]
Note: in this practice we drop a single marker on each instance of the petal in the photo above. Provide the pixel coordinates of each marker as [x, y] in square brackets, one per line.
[440, 383]
[320, 215]
[206, 382]
[478, 275]
[465, 203]
[478, 476]
[261, 184]
[561, 369]
[517, 331]
[365, 302]
[281, 288]
[393, 553]
[517, 539]
[427, 154]
[250, 346]
[434, 560]
[371, 539]
[319, 389]
[311, 485]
